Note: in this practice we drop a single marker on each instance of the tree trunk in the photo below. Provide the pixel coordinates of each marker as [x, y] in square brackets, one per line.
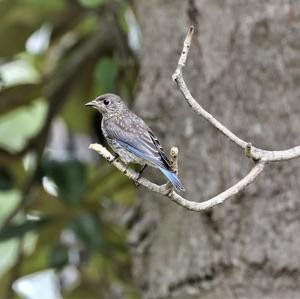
[244, 68]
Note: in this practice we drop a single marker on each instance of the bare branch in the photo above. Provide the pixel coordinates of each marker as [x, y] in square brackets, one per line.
[220, 198]
[174, 159]
[260, 157]
[253, 152]
[172, 195]
[133, 175]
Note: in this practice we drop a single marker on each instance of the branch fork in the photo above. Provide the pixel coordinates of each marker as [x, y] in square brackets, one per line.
[259, 156]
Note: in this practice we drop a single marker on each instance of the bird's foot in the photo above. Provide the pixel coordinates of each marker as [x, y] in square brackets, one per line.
[116, 156]
[137, 183]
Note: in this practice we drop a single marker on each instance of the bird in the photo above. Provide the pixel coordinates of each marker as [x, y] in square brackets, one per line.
[131, 138]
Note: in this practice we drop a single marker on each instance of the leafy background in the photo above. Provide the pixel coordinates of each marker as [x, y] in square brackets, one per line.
[63, 209]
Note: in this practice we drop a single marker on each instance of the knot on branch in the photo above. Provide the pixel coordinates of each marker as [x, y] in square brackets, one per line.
[175, 75]
[174, 159]
[247, 150]
[184, 54]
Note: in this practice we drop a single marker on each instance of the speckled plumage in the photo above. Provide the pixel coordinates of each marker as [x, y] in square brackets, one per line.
[131, 138]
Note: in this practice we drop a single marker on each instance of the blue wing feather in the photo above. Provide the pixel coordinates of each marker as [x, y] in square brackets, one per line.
[143, 143]
[139, 153]
[173, 178]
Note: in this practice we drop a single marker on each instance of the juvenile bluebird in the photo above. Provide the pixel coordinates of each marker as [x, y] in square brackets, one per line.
[130, 137]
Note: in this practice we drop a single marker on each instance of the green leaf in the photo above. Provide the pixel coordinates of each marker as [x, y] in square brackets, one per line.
[87, 228]
[17, 126]
[105, 75]
[19, 71]
[8, 201]
[8, 249]
[69, 176]
[18, 230]
[18, 95]
[92, 3]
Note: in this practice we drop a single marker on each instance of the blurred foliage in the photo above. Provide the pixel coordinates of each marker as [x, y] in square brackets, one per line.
[60, 204]
[69, 177]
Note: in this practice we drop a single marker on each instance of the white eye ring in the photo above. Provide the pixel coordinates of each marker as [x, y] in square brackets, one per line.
[106, 102]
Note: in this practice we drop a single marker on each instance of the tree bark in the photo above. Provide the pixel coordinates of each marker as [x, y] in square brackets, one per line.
[244, 68]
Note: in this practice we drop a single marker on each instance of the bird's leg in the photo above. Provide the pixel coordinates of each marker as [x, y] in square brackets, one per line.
[116, 156]
[140, 174]
[142, 170]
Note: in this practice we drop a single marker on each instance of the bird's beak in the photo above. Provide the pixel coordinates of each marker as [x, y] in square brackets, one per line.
[91, 104]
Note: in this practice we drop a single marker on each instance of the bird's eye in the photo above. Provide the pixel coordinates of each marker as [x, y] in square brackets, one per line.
[106, 102]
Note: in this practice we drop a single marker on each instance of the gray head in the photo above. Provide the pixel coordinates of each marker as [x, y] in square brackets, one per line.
[108, 104]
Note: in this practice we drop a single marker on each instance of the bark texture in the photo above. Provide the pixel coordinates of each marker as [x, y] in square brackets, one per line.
[244, 67]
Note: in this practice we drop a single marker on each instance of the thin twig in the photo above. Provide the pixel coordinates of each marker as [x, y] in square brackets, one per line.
[133, 175]
[254, 153]
[174, 159]
[172, 195]
[260, 157]
[220, 198]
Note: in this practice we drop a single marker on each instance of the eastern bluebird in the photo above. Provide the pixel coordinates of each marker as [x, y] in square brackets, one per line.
[130, 138]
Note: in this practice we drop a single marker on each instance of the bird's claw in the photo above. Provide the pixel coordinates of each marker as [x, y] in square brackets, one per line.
[137, 183]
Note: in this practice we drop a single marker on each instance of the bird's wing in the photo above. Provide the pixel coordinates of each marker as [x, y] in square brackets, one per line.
[159, 149]
[137, 138]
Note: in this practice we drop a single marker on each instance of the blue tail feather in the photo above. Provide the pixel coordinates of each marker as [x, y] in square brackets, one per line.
[173, 178]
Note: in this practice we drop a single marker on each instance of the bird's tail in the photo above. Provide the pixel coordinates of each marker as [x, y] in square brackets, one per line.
[173, 178]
